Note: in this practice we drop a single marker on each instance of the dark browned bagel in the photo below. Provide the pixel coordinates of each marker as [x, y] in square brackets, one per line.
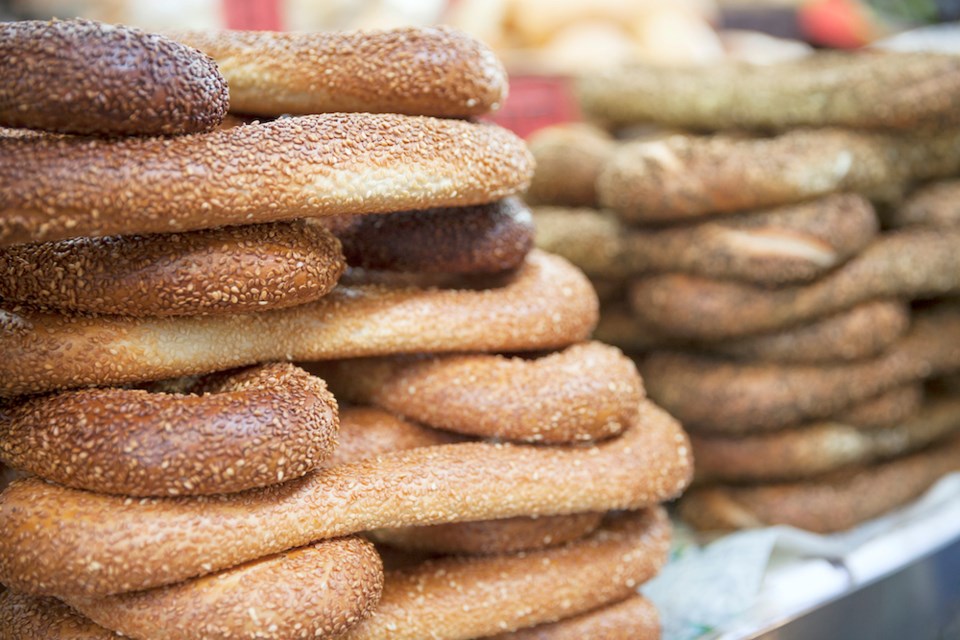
[486, 238]
[587, 391]
[228, 270]
[79, 76]
[56, 187]
[251, 428]
[25, 617]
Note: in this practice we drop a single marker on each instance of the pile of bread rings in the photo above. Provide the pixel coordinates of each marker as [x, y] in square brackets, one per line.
[778, 246]
[161, 269]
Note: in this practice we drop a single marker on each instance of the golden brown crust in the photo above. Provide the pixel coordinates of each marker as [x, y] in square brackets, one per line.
[251, 428]
[863, 331]
[586, 392]
[80, 76]
[310, 166]
[712, 395]
[632, 619]
[484, 537]
[815, 449]
[886, 409]
[831, 503]
[366, 432]
[546, 304]
[229, 270]
[793, 243]
[436, 71]
[318, 591]
[486, 238]
[909, 264]
[461, 598]
[859, 90]
[65, 541]
[569, 158]
[934, 205]
[684, 177]
[25, 617]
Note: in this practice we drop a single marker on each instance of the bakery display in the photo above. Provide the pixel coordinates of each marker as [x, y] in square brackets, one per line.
[172, 308]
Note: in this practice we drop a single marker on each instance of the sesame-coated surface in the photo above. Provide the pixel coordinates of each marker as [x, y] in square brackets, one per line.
[586, 392]
[808, 451]
[484, 537]
[910, 264]
[64, 541]
[684, 176]
[250, 428]
[546, 304]
[569, 158]
[318, 591]
[708, 394]
[933, 205]
[80, 76]
[835, 502]
[859, 90]
[366, 432]
[486, 238]
[55, 187]
[461, 598]
[793, 243]
[863, 331]
[25, 617]
[436, 71]
[226, 270]
[635, 618]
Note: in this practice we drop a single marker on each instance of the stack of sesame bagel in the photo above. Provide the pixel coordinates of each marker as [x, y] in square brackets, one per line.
[775, 244]
[247, 354]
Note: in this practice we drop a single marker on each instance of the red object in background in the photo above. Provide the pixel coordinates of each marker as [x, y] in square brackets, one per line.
[536, 102]
[252, 15]
[844, 24]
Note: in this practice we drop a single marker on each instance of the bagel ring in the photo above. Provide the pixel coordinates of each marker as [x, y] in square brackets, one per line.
[250, 428]
[586, 392]
[57, 187]
[226, 270]
[546, 304]
[635, 618]
[191, 536]
[80, 76]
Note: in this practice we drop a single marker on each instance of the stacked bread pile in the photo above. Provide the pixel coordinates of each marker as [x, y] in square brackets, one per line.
[780, 321]
[184, 479]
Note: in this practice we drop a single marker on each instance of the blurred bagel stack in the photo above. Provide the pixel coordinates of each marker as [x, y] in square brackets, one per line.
[161, 268]
[777, 246]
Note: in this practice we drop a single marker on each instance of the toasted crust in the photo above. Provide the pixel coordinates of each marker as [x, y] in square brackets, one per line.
[251, 428]
[230, 270]
[934, 205]
[632, 619]
[416, 71]
[79, 76]
[309, 166]
[92, 552]
[569, 159]
[585, 392]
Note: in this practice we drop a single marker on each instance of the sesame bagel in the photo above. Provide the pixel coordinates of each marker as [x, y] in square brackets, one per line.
[635, 618]
[416, 71]
[26, 617]
[486, 238]
[834, 502]
[317, 591]
[792, 243]
[712, 395]
[586, 392]
[80, 76]
[47, 352]
[247, 429]
[908, 264]
[191, 536]
[309, 166]
[933, 205]
[227, 270]
[461, 598]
